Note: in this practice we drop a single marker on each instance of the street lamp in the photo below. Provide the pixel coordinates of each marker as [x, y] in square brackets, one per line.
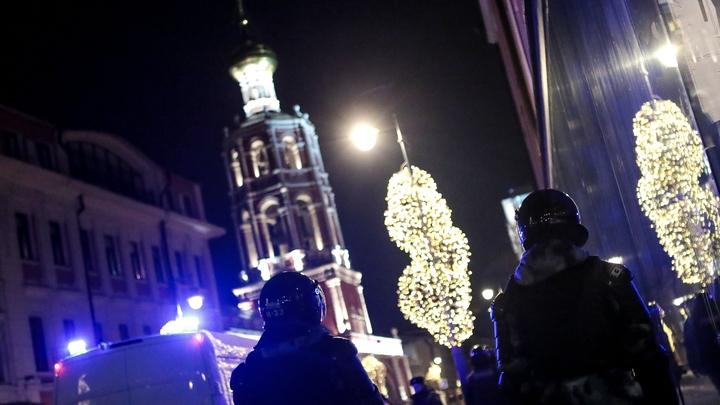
[365, 136]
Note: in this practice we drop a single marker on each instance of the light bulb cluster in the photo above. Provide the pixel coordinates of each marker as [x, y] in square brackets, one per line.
[377, 372]
[684, 213]
[434, 290]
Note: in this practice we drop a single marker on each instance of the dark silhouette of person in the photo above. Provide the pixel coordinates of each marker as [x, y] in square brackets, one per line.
[423, 395]
[571, 328]
[481, 386]
[296, 361]
[701, 338]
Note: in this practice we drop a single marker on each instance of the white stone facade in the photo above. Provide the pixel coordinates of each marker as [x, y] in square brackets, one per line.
[135, 246]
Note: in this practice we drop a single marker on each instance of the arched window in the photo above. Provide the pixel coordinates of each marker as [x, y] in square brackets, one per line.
[97, 165]
[237, 171]
[306, 223]
[292, 153]
[258, 154]
[276, 229]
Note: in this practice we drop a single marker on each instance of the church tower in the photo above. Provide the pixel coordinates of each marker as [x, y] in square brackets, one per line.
[282, 203]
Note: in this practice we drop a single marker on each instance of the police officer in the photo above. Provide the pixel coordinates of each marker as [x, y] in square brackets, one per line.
[423, 395]
[481, 386]
[569, 327]
[296, 361]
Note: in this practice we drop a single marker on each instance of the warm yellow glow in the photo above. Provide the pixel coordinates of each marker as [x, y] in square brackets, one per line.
[433, 374]
[364, 137]
[684, 212]
[434, 290]
[377, 372]
[667, 55]
[488, 294]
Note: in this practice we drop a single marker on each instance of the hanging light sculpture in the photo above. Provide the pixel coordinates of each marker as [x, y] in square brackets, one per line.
[434, 290]
[683, 211]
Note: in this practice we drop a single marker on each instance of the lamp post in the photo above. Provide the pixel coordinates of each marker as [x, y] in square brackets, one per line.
[434, 290]
[365, 136]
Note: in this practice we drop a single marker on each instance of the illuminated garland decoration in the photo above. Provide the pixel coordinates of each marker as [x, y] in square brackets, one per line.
[434, 290]
[377, 372]
[683, 212]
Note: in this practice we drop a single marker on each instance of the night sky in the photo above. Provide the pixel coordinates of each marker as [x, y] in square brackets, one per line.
[156, 73]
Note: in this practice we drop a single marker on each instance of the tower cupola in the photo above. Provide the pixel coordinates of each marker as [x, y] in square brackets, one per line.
[253, 67]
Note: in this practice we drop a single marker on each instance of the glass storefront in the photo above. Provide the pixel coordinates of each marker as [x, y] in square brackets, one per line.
[633, 101]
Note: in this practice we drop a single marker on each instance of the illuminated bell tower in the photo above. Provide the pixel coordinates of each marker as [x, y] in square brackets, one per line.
[282, 204]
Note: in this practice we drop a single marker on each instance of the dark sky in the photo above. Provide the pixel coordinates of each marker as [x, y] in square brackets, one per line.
[156, 73]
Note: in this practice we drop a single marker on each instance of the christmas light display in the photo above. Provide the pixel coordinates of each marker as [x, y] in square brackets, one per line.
[377, 372]
[434, 290]
[684, 213]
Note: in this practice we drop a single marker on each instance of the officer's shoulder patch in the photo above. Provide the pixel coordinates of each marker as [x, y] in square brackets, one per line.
[615, 274]
[342, 348]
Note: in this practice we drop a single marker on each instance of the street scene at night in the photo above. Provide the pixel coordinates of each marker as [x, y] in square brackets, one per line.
[396, 202]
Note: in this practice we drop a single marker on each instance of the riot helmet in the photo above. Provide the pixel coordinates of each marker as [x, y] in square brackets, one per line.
[482, 356]
[549, 214]
[291, 298]
[417, 380]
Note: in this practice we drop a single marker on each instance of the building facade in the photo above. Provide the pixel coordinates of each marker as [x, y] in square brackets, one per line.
[286, 220]
[99, 243]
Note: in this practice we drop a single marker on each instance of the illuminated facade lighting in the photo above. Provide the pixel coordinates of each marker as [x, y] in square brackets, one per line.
[434, 290]
[683, 211]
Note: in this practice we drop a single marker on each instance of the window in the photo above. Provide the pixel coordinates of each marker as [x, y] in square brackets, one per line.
[56, 243]
[199, 269]
[3, 355]
[180, 266]
[292, 153]
[37, 334]
[111, 256]
[307, 230]
[87, 252]
[189, 206]
[23, 235]
[69, 328]
[9, 145]
[137, 268]
[123, 329]
[258, 154]
[237, 171]
[98, 329]
[169, 201]
[147, 330]
[276, 230]
[157, 265]
[97, 165]
[44, 156]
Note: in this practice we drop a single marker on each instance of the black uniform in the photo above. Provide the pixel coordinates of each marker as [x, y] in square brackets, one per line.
[313, 368]
[481, 388]
[574, 335]
[426, 396]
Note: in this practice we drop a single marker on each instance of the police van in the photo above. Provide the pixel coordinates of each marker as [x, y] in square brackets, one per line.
[179, 369]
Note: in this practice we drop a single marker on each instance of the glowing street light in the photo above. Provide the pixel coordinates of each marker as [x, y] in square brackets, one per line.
[364, 136]
[488, 294]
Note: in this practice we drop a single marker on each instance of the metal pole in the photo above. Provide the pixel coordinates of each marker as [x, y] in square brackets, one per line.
[91, 304]
[401, 143]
